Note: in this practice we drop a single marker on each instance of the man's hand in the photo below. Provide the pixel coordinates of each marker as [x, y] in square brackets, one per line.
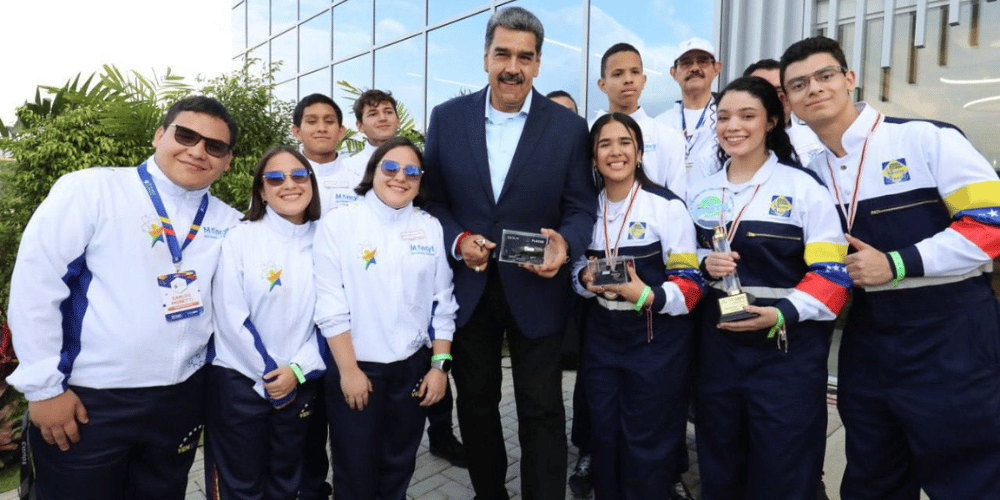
[355, 386]
[556, 254]
[433, 387]
[867, 266]
[281, 382]
[57, 417]
[476, 251]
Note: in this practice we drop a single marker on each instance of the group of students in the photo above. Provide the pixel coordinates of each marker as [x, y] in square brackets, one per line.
[336, 283]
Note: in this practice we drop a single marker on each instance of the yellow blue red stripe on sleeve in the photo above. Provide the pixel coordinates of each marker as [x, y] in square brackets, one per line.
[827, 279]
[682, 269]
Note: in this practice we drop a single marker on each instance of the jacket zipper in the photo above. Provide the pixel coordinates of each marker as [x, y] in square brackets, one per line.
[779, 236]
[901, 207]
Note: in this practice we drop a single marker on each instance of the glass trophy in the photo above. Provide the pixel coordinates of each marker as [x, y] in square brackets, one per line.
[710, 210]
[517, 247]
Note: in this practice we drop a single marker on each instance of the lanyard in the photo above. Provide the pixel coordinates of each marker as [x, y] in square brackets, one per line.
[689, 137]
[612, 253]
[736, 221]
[168, 227]
[853, 209]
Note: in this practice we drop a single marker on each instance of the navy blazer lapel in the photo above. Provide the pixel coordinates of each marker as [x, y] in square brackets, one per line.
[534, 129]
[477, 140]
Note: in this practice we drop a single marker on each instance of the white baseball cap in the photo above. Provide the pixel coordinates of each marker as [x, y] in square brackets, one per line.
[696, 44]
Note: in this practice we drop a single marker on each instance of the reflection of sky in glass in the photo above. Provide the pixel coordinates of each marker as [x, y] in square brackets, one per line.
[283, 49]
[284, 13]
[399, 68]
[455, 59]
[440, 10]
[352, 32]
[396, 18]
[314, 42]
[286, 91]
[657, 33]
[257, 20]
[357, 72]
[309, 7]
[315, 82]
[239, 28]
[261, 55]
[563, 23]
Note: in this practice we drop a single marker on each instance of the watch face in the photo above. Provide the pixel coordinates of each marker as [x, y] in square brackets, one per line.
[442, 364]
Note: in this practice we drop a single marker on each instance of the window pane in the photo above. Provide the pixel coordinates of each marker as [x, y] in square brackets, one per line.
[314, 42]
[399, 68]
[315, 82]
[455, 68]
[239, 28]
[561, 67]
[357, 72]
[283, 50]
[440, 10]
[286, 91]
[308, 8]
[397, 18]
[352, 28]
[258, 21]
[284, 13]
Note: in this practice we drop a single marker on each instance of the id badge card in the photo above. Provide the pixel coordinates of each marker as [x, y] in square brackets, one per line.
[517, 247]
[181, 295]
[609, 271]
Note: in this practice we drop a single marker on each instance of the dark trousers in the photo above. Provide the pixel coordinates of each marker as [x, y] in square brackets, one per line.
[315, 463]
[252, 450]
[637, 397]
[374, 450]
[537, 392]
[139, 444]
[762, 412]
[919, 393]
[439, 424]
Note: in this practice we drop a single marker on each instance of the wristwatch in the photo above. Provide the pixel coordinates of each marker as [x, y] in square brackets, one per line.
[441, 362]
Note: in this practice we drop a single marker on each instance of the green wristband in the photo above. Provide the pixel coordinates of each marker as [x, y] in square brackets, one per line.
[777, 324]
[897, 261]
[439, 357]
[642, 298]
[298, 373]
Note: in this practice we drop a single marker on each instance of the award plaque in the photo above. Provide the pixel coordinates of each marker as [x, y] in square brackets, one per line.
[710, 210]
[517, 247]
[609, 271]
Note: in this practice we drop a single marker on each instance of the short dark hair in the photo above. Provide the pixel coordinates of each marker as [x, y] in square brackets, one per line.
[634, 129]
[309, 100]
[394, 142]
[372, 97]
[802, 49]
[614, 49]
[777, 139]
[516, 19]
[561, 93]
[208, 105]
[765, 64]
[257, 205]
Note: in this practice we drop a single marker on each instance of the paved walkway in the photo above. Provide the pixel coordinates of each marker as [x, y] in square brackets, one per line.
[436, 479]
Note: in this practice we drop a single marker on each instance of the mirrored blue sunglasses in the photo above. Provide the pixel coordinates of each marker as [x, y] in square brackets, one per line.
[390, 167]
[276, 178]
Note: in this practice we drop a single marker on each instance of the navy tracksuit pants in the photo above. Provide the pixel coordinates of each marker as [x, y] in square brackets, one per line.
[761, 411]
[637, 397]
[252, 450]
[919, 393]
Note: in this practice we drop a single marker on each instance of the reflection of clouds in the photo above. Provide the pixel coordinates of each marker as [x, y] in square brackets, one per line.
[390, 29]
[314, 45]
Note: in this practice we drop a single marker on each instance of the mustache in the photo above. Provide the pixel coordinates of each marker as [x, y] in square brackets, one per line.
[510, 78]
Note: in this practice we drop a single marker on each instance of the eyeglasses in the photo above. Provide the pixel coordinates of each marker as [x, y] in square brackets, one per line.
[390, 167]
[276, 178]
[700, 61]
[823, 75]
[187, 137]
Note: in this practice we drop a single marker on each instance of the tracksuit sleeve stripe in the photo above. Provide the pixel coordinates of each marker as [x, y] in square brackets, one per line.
[832, 294]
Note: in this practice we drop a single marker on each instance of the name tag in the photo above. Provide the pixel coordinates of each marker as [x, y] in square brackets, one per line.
[181, 295]
[335, 184]
[416, 234]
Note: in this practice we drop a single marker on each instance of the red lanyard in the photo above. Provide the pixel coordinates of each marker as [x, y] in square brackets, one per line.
[736, 221]
[610, 253]
[853, 209]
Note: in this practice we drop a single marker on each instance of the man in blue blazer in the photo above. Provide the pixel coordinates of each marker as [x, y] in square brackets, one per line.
[507, 157]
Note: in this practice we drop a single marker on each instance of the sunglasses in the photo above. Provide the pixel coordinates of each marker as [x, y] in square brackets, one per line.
[275, 178]
[390, 167]
[187, 137]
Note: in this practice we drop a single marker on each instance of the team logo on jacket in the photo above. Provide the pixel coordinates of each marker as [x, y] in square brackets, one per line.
[895, 171]
[367, 253]
[781, 206]
[636, 230]
[272, 274]
[151, 226]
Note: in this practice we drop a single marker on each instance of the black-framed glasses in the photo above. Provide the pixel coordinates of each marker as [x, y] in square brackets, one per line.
[276, 178]
[823, 75]
[187, 137]
[390, 167]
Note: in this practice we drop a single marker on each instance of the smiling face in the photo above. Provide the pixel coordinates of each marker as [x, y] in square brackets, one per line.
[190, 167]
[512, 64]
[742, 125]
[379, 123]
[320, 132]
[399, 190]
[623, 81]
[291, 198]
[821, 103]
[616, 154]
